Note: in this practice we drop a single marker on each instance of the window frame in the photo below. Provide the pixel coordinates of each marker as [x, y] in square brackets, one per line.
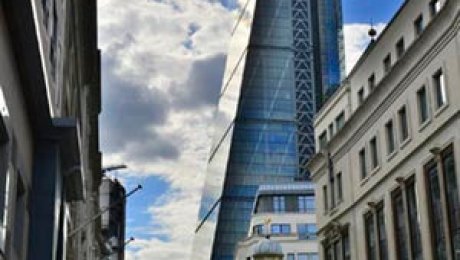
[363, 164]
[423, 117]
[374, 153]
[400, 48]
[387, 65]
[390, 137]
[404, 124]
[440, 89]
[419, 25]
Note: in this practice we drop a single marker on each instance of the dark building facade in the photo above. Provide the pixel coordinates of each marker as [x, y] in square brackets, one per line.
[49, 149]
[284, 57]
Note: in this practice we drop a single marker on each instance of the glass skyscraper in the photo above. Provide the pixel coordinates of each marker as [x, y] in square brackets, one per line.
[285, 56]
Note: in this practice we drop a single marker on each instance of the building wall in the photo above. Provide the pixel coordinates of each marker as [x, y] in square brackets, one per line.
[436, 48]
[16, 154]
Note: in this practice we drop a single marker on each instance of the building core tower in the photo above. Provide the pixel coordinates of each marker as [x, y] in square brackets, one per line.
[285, 55]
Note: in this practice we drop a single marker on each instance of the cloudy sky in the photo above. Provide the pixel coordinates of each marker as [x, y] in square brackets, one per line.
[162, 66]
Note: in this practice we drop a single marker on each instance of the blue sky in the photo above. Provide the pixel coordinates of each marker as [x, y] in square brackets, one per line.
[162, 64]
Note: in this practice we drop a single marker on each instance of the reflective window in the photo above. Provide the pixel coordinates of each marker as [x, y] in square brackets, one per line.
[374, 152]
[440, 89]
[400, 225]
[322, 140]
[418, 25]
[291, 256]
[339, 187]
[340, 121]
[371, 245]
[258, 230]
[280, 229]
[403, 124]
[422, 100]
[390, 137]
[307, 231]
[306, 204]
[414, 221]
[453, 203]
[279, 204]
[382, 234]
[435, 7]
[436, 213]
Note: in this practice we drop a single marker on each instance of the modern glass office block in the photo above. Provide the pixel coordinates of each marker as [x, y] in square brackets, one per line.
[273, 84]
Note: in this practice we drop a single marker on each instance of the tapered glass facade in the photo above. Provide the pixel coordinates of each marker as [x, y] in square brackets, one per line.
[264, 123]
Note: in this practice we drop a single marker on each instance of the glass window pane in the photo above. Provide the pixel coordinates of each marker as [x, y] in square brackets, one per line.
[436, 215]
[414, 221]
[453, 204]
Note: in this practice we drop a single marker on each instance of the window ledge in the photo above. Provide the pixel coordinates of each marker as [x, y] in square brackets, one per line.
[375, 170]
[392, 154]
[405, 142]
[440, 109]
[365, 180]
[424, 125]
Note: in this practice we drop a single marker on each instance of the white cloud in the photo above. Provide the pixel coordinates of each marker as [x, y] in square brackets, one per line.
[158, 104]
[356, 41]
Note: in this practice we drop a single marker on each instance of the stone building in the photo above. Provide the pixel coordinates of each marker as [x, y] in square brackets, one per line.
[388, 153]
[50, 102]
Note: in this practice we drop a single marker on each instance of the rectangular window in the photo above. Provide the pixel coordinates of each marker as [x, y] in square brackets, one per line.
[281, 229]
[418, 25]
[340, 121]
[306, 204]
[290, 256]
[339, 187]
[302, 256]
[322, 140]
[383, 243]
[435, 7]
[440, 89]
[414, 223]
[400, 225]
[369, 227]
[389, 130]
[346, 246]
[325, 199]
[453, 203]
[331, 130]
[306, 231]
[403, 124]
[422, 100]
[371, 82]
[374, 153]
[400, 48]
[336, 250]
[362, 163]
[435, 211]
[258, 230]
[360, 96]
[279, 204]
[387, 63]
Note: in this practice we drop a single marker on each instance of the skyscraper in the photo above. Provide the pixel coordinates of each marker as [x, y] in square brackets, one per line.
[284, 56]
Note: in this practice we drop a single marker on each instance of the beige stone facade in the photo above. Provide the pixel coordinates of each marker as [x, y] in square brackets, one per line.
[387, 171]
